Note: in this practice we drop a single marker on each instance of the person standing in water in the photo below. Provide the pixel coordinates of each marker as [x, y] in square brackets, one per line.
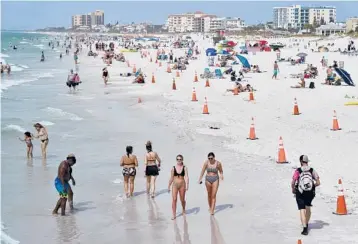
[275, 70]
[178, 183]
[105, 75]
[213, 168]
[29, 146]
[64, 175]
[151, 168]
[42, 56]
[43, 136]
[129, 162]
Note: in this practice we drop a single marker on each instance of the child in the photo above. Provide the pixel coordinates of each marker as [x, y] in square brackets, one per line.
[27, 139]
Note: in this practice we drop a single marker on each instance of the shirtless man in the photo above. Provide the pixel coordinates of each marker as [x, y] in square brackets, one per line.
[62, 186]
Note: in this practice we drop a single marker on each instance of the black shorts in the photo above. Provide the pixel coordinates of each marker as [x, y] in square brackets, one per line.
[304, 199]
[151, 170]
[129, 171]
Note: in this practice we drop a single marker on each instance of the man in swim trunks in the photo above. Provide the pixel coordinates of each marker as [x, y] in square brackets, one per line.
[62, 184]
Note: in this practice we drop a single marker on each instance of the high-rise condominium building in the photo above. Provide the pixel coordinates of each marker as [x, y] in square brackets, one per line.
[91, 19]
[298, 16]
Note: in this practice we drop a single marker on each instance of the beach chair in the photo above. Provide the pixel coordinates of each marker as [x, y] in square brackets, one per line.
[218, 73]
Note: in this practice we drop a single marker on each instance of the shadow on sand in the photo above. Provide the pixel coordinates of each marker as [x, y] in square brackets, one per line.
[223, 207]
[135, 194]
[190, 211]
[317, 224]
[83, 206]
[161, 192]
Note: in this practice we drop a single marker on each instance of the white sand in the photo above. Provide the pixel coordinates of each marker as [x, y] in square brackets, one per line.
[264, 209]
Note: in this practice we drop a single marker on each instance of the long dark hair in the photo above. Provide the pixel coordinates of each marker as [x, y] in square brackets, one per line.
[211, 154]
[148, 146]
[129, 150]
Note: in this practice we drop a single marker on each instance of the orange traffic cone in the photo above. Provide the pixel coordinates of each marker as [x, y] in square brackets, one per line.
[236, 91]
[207, 84]
[178, 74]
[335, 122]
[134, 69]
[206, 109]
[174, 86]
[139, 100]
[341, 201]
[252, 135]
[169, 70]
[153, 78]
[281, 153]
[193, 96]
[299, 242]
[160, 64]
[196, 77]
[295, 108]
[251, 96]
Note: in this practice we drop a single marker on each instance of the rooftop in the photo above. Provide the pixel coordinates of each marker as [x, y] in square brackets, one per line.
[331, 26]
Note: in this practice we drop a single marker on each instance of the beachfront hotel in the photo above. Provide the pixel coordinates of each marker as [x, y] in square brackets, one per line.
[298, 16]
[352, 24]
[88, 20]
[201, 22]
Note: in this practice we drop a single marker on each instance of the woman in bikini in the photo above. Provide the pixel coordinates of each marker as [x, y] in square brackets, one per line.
[105, 75]
[43, 136]
[151, 168]
[129, 163]
[179, 178]
[213, 168]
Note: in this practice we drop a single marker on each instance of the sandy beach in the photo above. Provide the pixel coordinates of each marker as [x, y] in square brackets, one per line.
[254, 204]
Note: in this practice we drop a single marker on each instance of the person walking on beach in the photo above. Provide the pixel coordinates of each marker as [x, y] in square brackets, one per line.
[178, 183]
[64, 175]
[29, 147]
[129, 162]
[304, 181]
[43, 136]
[105, 75]
[213, 169]
[275, 70]
[152, 168]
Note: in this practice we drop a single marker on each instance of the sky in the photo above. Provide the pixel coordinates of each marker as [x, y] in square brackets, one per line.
[30, 15]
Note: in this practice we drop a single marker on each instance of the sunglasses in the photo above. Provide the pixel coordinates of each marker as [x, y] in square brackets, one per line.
[210, 158]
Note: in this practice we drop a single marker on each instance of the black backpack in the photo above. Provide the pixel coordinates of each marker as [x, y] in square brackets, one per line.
[312, 85]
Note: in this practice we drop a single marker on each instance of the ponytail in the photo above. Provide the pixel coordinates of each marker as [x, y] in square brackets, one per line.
[129, 150]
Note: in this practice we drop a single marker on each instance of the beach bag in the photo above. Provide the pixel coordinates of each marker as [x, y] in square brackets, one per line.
[305, 180]
[312, 85]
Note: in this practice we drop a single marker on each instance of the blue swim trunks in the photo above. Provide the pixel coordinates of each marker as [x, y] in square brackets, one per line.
[275, 72]
[62, 189]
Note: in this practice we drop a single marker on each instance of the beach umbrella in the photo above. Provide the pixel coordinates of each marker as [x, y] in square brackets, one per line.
[301, 55]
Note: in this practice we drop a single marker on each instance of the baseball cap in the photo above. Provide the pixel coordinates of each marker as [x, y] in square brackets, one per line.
[305, 158]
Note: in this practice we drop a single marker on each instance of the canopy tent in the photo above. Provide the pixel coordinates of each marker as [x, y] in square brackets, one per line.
[345, 76]
[244, 61]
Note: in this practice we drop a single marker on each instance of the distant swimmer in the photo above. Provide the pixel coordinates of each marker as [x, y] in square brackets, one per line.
[178, 183]
[152, 168]
[28, 140]
[129, 162]
[213, 169]
[105, 75]
[42, 57]
[43, 136]
[64, 175]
